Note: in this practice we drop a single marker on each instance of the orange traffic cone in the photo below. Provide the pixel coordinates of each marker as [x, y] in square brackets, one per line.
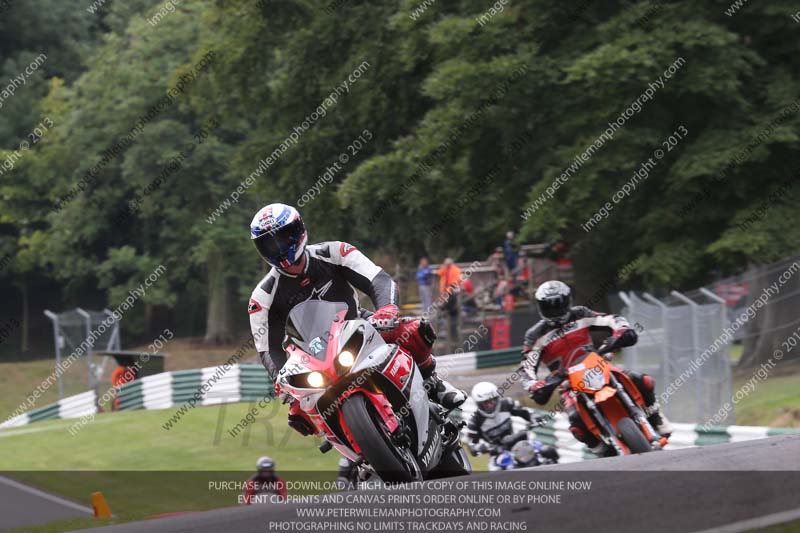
[101, 508]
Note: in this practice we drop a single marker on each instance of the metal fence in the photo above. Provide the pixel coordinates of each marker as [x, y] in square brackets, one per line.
[778, 286]
[71, 330]
[675, 334]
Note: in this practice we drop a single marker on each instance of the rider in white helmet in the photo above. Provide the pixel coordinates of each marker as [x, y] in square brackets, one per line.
[491, 422]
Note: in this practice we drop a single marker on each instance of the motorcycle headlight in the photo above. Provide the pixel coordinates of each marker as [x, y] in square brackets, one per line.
[594, 379]
[346, 359]
[315, 379]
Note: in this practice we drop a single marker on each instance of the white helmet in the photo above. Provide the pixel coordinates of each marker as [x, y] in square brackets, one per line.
[486, 397]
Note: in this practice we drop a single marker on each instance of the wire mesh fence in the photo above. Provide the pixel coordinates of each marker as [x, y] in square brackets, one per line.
[765, 300]
[692, 382]
[78, 334]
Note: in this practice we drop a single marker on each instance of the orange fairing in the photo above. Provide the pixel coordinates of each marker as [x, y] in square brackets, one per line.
[590, 375]
[604, 394]
[630, 388]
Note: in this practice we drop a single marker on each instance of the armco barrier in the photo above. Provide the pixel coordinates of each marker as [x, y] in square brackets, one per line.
[208, 386]
[510, 356]
[249, 383]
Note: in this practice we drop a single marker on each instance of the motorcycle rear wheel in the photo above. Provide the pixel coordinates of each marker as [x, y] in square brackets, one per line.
[633, 436]
[392, 464]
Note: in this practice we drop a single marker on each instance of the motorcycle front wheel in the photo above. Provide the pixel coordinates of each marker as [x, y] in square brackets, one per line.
[392, 463]
[633, 436]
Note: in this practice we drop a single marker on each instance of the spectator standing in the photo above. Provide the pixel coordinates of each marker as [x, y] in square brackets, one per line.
[468, 303]
[498, 263]
[449, 283]
[522, 276]
[424, 282]
[449, 277]
[120, 376]
[522, 271]
[502, 288]
[509, 251]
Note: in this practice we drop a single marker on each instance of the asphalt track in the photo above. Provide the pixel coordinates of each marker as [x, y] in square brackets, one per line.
[726, 488]
[22, 505]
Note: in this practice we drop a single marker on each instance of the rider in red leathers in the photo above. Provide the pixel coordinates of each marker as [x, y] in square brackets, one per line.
[264, 483]
[562, 339]
[330, 271]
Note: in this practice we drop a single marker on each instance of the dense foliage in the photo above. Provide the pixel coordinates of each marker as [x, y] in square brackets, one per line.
[447, 95]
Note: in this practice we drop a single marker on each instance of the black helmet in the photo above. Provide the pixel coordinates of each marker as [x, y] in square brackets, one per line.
[549, 452]
[554, 299]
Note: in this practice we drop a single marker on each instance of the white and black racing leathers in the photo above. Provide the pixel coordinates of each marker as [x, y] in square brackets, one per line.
[493, 428]
[333, 272]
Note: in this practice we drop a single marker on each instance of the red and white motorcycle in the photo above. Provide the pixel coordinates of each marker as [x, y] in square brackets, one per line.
[366, 397]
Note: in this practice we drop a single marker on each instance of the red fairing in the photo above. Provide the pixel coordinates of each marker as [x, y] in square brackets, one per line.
[398, 371]
[294, 409]
[382, 406]
[325, 367]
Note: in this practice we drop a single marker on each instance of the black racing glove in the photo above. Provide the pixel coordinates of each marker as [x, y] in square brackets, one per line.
[628, 338]
[537, 421]
[477, 448]
[606, 347]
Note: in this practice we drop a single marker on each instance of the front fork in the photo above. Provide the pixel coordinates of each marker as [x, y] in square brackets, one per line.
[637, 413]
[609, 433]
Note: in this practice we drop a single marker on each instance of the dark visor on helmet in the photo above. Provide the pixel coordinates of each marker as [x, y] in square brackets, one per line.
[554, 307]
[275, 246]
[488, 405]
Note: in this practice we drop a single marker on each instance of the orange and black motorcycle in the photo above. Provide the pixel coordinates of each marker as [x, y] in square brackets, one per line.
[611, 406]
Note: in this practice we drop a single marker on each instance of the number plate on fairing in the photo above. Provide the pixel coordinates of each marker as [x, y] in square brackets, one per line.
[398, 370]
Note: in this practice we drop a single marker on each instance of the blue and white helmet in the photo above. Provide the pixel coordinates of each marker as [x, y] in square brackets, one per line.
[279, 234]
[504, 460]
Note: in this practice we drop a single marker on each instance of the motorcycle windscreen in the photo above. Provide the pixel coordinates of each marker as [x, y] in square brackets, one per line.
[309, 325]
